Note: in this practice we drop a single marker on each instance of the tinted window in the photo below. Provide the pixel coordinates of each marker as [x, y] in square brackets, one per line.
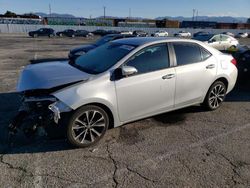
[102, 58]
[150, 59]
[187, 53]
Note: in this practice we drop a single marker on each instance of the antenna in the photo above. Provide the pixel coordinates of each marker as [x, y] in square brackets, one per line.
[193, 14]
[197, 13]
[129, 12]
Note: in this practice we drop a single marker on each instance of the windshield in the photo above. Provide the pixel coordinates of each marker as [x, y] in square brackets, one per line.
[203, 37]
[103, 40]
[103, 57]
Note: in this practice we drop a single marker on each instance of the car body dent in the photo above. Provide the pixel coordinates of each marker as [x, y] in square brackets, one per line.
[83, 95]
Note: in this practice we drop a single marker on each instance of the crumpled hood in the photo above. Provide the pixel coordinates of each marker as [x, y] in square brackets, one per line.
[48, 75]
[84, 48]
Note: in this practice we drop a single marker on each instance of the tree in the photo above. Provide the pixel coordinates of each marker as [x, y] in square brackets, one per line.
[9, 14]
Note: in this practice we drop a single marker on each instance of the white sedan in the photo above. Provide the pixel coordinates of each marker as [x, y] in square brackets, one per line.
[160, 33]
[242, 35]
[182, 34]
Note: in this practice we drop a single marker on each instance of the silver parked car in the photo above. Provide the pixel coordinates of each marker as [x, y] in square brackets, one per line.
[123, 81]
[220, 41]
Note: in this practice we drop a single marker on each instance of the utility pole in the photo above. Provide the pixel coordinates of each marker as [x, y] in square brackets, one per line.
[104, 12]
[197, 13]
[49, 10]
[129, 12]
[193, 14]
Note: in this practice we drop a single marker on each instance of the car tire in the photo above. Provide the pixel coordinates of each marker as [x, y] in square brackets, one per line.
[50, 35]
[215, 96]
[35, 35]
[87, 126]
[60, 35]
[73, 36]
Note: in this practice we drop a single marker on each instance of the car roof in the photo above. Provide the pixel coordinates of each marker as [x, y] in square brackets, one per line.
[138, 41]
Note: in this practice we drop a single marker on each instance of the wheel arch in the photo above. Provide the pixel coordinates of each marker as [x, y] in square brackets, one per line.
[107, 110]
[222, 79]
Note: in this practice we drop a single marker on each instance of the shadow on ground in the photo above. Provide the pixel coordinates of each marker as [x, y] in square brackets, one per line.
[10, 102]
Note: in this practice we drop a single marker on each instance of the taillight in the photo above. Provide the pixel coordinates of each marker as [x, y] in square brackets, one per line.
[234, 61]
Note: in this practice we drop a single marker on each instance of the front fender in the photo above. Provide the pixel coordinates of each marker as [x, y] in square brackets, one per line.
[87, 93]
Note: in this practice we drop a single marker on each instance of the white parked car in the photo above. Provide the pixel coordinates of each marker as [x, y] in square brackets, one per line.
[160, 33]
[123, 81]
[126, 32]
[182, 34]
[242, 35]
[229, 34]
[220, 41]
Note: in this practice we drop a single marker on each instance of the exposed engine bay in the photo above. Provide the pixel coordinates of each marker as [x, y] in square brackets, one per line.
[38, 110]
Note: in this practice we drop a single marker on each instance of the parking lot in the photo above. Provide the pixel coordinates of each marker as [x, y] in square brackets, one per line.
[185, 148]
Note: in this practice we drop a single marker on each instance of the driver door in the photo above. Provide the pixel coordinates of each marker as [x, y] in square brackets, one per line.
[149, 91]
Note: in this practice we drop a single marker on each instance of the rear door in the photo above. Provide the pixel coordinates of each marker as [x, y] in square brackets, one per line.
[195, 72]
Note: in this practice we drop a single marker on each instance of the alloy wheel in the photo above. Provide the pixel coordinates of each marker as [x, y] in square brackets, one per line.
[88, 127]
[217, 96]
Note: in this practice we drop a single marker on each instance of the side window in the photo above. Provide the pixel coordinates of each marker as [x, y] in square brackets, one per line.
[224, 38]
[187, 53]
[205, 54]
[150, 59]
[216, 38]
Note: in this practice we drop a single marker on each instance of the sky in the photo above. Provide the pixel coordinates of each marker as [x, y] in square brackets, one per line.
[138, 8]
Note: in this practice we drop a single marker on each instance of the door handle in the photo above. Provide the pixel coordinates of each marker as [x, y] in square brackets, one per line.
[211, 66]
[168, 76]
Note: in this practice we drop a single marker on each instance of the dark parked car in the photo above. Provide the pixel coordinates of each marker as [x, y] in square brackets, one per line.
[113, 32]
[42, 32]
[242, 55]
[76, 52]
[201, 33]
[67, 32]
[100, 32]
[140, 33]
[82, 33]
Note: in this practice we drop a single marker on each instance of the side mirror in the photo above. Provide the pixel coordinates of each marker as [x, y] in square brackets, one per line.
[128, 70]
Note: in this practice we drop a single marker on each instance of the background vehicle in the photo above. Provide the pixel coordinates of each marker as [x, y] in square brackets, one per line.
[133, 79]
[228, 33]
[99, 32]
[182, 34]
[160, 33]
[242, 55]
[201, 33]
[82, 33]
[140, 33]
[126, 33]
[220, 41]
[42, 32]
[67, 32]
[242, 35]
[76, 52]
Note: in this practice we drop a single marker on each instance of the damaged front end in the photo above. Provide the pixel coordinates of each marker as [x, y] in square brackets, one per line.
[38, 110]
